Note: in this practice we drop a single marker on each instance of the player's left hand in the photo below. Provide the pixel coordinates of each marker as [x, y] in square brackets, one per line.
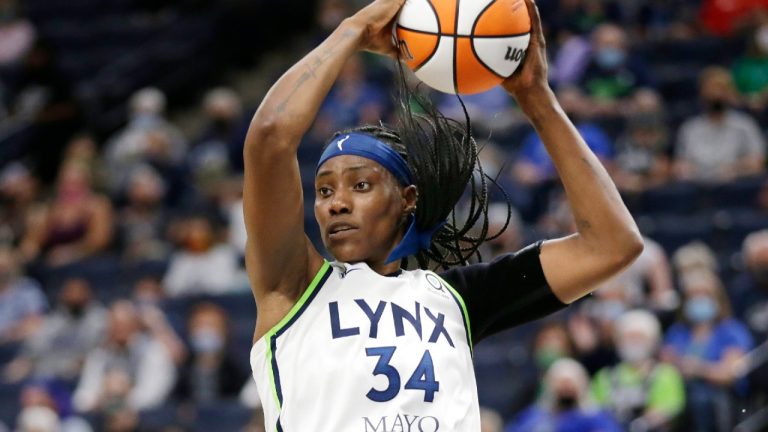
[531, 76]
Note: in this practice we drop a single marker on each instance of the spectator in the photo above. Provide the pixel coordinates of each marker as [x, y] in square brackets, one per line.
[58, 349]
[75, 225]
[641, 156]
[148, 295]
[131, 369]
[490, 421]
[750, 72]
[707, 345]
[749, 290]
[564, 404]
[49, 396]
[694, 256]
[143, 220]
[38, 419]
[210, 372]
[648, 280]
[643, 394]
[613, 73]
[721, 143]
[501, 216]
[533, 164]
[42, 98]
[353, 99]
[725, 18]
[19, 193]
[592, 327]
[491, 110]
[16, 34]
[139, 141]
[22, 303]
[204, 265]
[550, 344]
[218, 150]
[83, 149]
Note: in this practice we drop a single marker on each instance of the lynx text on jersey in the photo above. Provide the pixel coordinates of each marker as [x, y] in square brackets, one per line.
[433, 327]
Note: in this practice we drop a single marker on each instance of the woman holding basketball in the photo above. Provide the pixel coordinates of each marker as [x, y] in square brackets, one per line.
[361, 344]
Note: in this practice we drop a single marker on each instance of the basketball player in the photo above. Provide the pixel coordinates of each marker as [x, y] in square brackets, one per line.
[359, 344]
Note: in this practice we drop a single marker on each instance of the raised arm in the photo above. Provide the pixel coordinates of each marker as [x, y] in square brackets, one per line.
[607, 239]
[279, 258]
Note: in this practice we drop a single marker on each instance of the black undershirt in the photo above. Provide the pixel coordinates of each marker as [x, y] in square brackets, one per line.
[509, 291]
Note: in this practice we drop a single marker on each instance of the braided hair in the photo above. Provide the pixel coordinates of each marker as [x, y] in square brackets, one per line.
[443, 158]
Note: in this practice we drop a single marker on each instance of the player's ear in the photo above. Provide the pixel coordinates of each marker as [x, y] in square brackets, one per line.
[410, 198]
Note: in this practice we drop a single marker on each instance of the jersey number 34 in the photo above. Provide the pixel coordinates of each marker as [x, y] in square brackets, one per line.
[423, 378]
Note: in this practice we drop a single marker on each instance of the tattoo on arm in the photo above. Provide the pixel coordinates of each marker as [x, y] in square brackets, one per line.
[314, 65]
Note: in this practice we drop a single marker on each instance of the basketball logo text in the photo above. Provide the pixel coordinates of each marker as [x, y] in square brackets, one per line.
[514, 54]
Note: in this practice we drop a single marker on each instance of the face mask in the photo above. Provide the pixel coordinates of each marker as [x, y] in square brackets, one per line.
[761, 275]
[761, 39]
[635, 353]
[566, 403]
[609, 310]
[546, 357]
[701, 310]
[715, 106]
[76, 311]
[206, 341]
[610, 58]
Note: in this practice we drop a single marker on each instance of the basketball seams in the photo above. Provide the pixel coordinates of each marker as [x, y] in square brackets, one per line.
[415, 68]
[439, 32]
[402, 27]
[466, 61]
[456, 47]
[477, 18]
[437, 18]
[472, 39]
[479, 59]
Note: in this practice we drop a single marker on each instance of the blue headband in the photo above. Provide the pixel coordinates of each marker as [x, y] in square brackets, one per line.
[366, 146]
[358, 144]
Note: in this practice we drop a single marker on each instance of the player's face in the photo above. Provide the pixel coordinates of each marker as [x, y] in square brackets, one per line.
[361, 209]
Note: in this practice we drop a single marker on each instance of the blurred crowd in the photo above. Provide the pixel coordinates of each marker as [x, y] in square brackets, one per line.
[124, 303]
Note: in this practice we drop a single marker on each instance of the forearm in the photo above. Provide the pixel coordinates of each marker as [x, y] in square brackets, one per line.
[602, 220]
[290, 107]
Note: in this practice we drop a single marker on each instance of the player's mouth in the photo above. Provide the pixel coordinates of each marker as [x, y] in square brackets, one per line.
[340, 230]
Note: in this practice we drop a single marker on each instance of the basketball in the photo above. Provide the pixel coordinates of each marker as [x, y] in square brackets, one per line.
[463, 47]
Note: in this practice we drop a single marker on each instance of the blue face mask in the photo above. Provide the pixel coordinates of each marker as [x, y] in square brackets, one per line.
[701, 310]
[610, 58]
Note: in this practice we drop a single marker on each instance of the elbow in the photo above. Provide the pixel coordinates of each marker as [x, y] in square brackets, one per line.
[268, 128]
[632, 245]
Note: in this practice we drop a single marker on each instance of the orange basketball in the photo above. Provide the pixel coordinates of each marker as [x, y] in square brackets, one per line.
[463, 46]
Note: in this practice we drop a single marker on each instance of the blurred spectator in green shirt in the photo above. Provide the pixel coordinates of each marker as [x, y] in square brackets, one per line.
[642, 393]
[750, 72]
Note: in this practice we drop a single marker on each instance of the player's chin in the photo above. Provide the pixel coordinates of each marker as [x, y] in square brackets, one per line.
[346, 251]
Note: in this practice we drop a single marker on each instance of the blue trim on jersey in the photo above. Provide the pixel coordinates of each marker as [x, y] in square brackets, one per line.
[273, 338]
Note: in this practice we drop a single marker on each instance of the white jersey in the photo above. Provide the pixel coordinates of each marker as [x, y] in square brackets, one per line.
[362, 352]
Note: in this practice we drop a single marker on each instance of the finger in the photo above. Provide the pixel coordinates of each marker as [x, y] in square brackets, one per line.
[536, 28]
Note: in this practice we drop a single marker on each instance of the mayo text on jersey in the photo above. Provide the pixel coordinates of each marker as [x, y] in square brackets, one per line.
[402, 423]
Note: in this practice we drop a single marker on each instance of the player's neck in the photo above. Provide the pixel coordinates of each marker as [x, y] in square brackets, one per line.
[384, 269]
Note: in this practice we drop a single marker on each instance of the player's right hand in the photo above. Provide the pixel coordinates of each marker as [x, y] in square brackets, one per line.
[376, 21]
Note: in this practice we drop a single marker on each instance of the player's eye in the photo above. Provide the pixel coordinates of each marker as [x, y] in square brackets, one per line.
[362, 186]
[324, 191]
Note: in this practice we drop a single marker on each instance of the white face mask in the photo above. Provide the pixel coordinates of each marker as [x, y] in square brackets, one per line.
[635, 353]
[761, 39]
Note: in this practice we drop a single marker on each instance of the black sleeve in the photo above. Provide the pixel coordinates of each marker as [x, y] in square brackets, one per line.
[509, 291]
